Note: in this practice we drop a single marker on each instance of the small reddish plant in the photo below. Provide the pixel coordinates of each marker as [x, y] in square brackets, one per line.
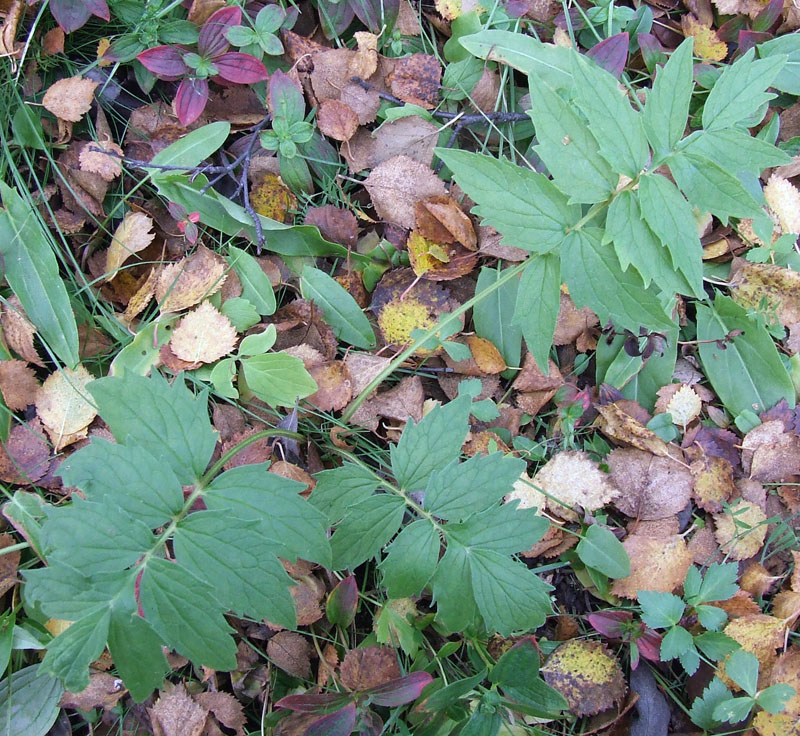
[210, 60]
[621, 626]
[187, 221]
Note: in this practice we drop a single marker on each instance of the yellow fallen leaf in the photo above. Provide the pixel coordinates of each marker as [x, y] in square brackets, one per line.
[64, 405]
[133, 234]
[203, 336]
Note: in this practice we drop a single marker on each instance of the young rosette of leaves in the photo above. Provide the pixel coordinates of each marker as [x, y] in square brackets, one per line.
[133, 564]
[211, 59]
[456, 504]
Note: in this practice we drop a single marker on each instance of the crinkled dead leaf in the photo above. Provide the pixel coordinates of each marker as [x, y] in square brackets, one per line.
[365, 62]
[369, 667]
[621, 426]
[365, 103]
[758, 634]
[142, 296]
[81, 191]
[587, 674]
[770, 454]
[9, 562]
[18, 384]
[335, 224]
[203, 335]
[531, 378]
[132, 235]
[176, 714]
[103, 691]
[415, 79]
[528, 495]
[574, 479]
[780, 287]
[573, 323]
[658, 564]
[707, 44]
[741, 530]
[441, 220]
[307, 595]
[337, 120]
[70, 99]
[650, 487]
[411, 136]
[684, 405]
[225, 708]
[713, 482]
[272, 198]
[363, 368]
[105, 165]
[183, 284]
[18, 331]
[397, 184]
[334, 386]
[399, 403]
[65, 406]
[25, 456]
[438, 262]
[291, 652]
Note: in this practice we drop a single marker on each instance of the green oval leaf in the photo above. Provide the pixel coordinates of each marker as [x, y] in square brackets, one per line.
[601, 550]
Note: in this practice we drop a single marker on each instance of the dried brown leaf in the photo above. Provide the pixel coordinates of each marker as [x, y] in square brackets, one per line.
[415, 79]
[758, 634]
[656, 564]
[410, 136]
[621, 426]
[741, 530]
[770, 454]
[18, 331]
[335, 224]
[183, 284]
[176, 714]
[335, 388]
[97, 162]
[132, 235]
[18, 384]
[368, 667]
[225, 708]
[70, 99]
[291, 652]
[64, 405]
[25, 456]
[713, 482]
[103, 691]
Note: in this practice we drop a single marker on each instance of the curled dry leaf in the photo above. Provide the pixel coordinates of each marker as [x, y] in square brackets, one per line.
[225, 708]
[25, 456]
[70, 99]
[18, 384]
[621, 426]
[291, 652]
[203, 335]
[369, 667]
[658, 564]
[441, 219]
[176, 714]
[573, 324]
[132, 235]
[438, 262]
[741, 530]
[365, 62]
[650, 487]
[64, 405]
[105, 165]
[183, 284]
[756, 580]
[574, 479]
[587, 674]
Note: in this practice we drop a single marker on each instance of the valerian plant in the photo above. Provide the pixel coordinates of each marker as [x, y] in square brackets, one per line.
[210, 59]
[606, 220]
[168, 545]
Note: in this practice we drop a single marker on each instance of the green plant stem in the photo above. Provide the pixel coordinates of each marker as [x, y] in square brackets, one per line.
[239, 446]
[14, 548]
[404, 355]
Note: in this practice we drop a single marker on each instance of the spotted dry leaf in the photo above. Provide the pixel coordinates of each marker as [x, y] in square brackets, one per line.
[25, 455]
[176, 714]
[658, 564]
[650, 487]
[410, 136]
[64, 405]
[132, 235]
[70, 99]
[337, 120]
[18, 384]
[769, 724]
[574, 479]
[713, 482]
[587, 674]
[741, 530]
[203, 335]
[183, 284]
[368, 667]
[621, 426]
[778, 285]
[18, 331]
[225, 708]
[102, 162]
[415, 79]
[307, 595]
[707, 43]
[758, 634]
[291, 652]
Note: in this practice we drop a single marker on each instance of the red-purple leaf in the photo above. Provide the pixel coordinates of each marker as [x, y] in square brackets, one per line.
[400, 691]
[340, 723]
[342, 602]
[166, 62]
[72, 14]
[611, 53]
[610, 623]
[191, 99]
[768, 16]
[212, 41]
[749, 39]
[285, 98]
[240, 68]
[652, 51]
[374, 14]
[649, 644]
[729, 32]
[320, 703]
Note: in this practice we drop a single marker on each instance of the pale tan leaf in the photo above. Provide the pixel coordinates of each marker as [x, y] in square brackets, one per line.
[658, 564]
[183, 284]
[741, 530]
[132, 235]
[176, 714]
[18, 384]
[64, 405]
[203, 336]
[70, 99]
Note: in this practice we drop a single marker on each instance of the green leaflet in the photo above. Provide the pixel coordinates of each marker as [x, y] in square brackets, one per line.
[29, 702]
[670, 217]
[551, 64]
[524, 206]
[614, 123]
[452, 590]
[278, 379]
[568, 148]
[493, 316]
[341, 487]
[517, 675]
[596, 280]
[430, 444]
[365, 529]
[636, 244]
[31, 271]
[411, 559]
[748, 375]
[506, 529]
[256, 286]
[456, 491]
[709, 187]
[667, 108]
[538, 302]
[219, 566]
[192, 149]
[341, 311]
[788, 78]
[173, 425]
[740, 90]
[600, 549]
[740, 151]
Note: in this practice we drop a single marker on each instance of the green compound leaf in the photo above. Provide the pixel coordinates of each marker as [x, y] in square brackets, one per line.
[676, 642]
[538, 302]
[31, 270]
[740, 151]
[342, 313]
[748, 374]
[660, 610]
[456, 608]
[524, 206]
[411, 559]
[341, 487]
[365, 529]
[504, 529]
[788, 78]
